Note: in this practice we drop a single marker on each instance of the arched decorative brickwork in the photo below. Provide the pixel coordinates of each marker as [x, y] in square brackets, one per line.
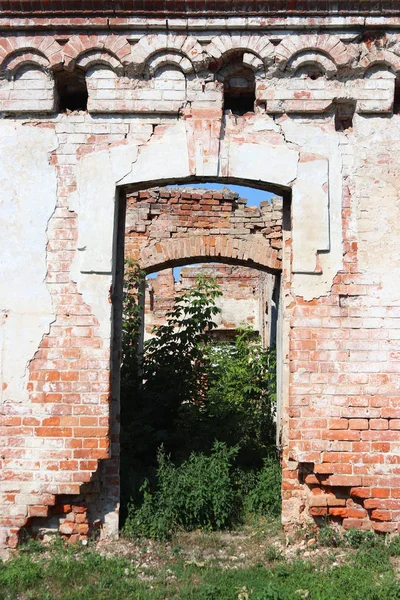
[167, 227]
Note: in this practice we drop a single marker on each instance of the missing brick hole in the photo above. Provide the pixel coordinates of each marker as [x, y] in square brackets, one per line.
[310, 71]
[240, 90]
[305, 468]
[346, 300]
[344, 114]
[71, 89]
[315, 74]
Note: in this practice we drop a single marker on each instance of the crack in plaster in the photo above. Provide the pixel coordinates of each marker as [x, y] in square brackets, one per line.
[31, 207]
[290, 144]
[45, 278]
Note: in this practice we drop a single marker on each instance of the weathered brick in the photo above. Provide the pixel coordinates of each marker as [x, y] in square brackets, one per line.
[340, 314]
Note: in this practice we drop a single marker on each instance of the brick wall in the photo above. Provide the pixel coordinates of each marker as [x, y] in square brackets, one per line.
[159, 120]
[170, 227]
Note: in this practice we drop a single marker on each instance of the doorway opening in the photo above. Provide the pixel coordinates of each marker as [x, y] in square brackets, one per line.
[199, 354]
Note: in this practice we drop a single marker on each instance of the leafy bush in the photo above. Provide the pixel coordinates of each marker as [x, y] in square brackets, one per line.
[172, 362]
[204, 492]
[183, 394]
[265, 497]
[242, 392]
[197, 494]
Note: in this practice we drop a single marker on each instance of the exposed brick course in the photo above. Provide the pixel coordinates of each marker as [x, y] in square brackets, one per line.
[167, 227]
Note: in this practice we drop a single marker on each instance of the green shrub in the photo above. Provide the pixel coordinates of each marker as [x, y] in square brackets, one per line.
[197, 494]
[184, 393]
[204, 492]
[241, 394]
[265, 497]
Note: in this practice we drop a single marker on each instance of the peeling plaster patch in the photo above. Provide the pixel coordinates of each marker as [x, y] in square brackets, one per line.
[310, 214]
[239, 311]
[324, 144]
[98, 176]
[162, 158]
[94, 203]
[28, 184]
[264, 163]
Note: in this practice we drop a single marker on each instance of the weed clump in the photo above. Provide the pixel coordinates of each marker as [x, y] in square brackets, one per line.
[265, 498]
[355, 538]
[197, 494]
[329, 537]
[204, 492]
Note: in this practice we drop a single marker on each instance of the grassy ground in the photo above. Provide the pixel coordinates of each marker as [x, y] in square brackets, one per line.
[255, 563]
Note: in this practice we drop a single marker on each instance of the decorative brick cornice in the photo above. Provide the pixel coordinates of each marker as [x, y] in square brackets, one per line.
[221, 8]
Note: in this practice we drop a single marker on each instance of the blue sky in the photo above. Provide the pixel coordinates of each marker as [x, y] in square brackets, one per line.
[254, 197]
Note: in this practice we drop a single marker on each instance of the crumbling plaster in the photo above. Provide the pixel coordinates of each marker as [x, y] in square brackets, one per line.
[28, 195]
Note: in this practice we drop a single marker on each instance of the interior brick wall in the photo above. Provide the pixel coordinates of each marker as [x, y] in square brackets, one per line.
[177, 226]
[245, 300]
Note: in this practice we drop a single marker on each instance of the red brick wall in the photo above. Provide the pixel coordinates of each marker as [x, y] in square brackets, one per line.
[167, 227]
[340, 301]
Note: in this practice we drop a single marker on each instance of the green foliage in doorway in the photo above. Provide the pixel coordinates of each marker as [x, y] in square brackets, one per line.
[204, 404]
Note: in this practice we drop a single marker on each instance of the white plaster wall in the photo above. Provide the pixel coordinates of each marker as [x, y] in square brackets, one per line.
[264, 162]
[27, 201]
[238, 312]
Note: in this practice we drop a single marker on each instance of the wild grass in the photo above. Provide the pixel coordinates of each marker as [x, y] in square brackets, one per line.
[367, 570]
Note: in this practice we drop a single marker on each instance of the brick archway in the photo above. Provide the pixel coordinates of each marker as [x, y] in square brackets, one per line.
[174, 227]
[179, 254]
